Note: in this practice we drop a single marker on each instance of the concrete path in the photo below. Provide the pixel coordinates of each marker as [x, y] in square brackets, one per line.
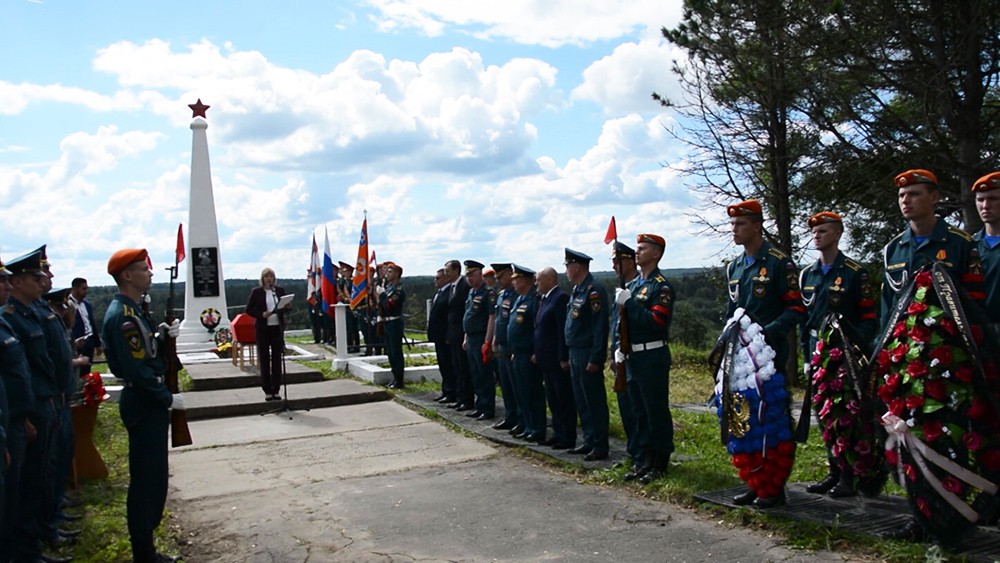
[378, 482]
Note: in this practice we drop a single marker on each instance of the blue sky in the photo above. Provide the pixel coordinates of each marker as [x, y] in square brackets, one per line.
[494, 131]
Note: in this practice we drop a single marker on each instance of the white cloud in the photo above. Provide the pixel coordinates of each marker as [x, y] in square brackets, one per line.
[624, 81]
[553, 23]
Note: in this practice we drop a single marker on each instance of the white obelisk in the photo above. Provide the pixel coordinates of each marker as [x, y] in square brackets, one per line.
[205, 291]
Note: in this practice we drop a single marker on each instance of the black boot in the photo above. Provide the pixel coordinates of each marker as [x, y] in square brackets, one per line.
[845, 487]
[827, 483]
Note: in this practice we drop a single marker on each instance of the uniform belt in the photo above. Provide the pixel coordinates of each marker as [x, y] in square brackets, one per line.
[131, 384]
[649, 345]
[386, 319]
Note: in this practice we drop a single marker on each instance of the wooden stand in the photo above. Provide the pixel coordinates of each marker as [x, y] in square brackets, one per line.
[87, 461]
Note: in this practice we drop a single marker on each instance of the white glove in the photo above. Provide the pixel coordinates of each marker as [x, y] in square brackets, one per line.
[164, 330]
[178, 403]
[378, 290]
[621, 296]
[619, 355]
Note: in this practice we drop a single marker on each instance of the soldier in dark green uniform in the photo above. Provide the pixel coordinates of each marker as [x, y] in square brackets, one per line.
[527, 378]
[765, 283]
[132, 348]
[835, 283]
[926, 239]
[987, 190]
[587, 339]
[479, 325]
[345, 287]
[27, 286]
[18, 400]
[649, 304]
[501, 349]
[390, 303]
[623, 262]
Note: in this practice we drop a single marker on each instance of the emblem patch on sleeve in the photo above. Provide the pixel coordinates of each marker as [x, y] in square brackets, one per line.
[134, 340]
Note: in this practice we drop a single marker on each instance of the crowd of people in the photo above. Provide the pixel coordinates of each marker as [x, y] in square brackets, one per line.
[546, 347]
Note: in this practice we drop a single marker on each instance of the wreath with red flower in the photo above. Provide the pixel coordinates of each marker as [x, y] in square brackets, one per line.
[943, 423]
[93, 389]
[843, 405]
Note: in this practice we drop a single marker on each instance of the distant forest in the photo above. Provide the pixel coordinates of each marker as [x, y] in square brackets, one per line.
[698, 310]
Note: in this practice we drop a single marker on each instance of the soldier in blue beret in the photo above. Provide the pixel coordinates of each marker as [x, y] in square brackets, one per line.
[526, 377]
[28, 282]
[501, 348]
[587, 339]
[479, 325]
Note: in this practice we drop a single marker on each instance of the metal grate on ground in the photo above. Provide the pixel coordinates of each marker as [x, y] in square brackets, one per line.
[860, 515]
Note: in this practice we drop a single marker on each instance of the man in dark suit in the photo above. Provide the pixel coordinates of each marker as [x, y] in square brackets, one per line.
[437, 332]
[458, 290]
[85, 326]
[552, 358]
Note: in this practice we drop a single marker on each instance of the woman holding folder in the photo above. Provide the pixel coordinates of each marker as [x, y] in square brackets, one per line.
[269, 328]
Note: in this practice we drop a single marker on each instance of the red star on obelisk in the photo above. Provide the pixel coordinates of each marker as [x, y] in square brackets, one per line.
[198, 109]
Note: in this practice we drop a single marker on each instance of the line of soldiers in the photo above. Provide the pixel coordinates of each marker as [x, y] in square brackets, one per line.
[547, 347]
[39, 368]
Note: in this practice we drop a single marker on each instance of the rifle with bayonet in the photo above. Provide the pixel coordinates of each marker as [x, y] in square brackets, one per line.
[180, 435]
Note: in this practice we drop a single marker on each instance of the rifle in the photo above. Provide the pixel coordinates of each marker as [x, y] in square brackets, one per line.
[624, 342]
[180, 435]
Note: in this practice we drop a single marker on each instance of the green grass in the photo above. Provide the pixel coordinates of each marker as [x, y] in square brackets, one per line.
[104, 535]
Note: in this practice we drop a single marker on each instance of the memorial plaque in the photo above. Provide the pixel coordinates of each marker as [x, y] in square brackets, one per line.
[205, 268]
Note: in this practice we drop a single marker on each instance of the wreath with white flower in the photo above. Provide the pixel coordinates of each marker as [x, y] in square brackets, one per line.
[753, 406]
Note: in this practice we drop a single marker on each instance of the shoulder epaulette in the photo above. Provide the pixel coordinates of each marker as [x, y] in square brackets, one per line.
[659, 278]
[850, 263]
[960, 232]
[776, 253]
[128, 311]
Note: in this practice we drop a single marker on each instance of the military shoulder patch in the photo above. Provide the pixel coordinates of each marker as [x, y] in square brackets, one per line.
[776, 253]
[850, 263]
[666, 295]
[956, 231]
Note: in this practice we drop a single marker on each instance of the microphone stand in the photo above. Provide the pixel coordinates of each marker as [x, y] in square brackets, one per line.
[285, 407]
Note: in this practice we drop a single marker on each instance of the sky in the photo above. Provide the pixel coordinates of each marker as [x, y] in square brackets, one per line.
[496, 131]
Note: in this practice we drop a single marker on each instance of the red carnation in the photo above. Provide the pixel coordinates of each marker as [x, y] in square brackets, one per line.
[948, 326]
[891, 457]
[932, 430]
[942, 354]
[925, 508]
[836, 354]
[837, 385]
[916, 308]
[936, 389]
[863, 447]
[972, 440]
[952, 484]
[896, 406]
[964, 374]
[910, 472]
[886, 393]
[920, 333]
[980, 410]
[914, 402]
[845, 421]
[898, 353]
[899, 329]
[923, 279]
[916, 369]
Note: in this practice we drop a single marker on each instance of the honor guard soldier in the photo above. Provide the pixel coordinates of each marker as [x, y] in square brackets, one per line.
[649, 304]
[835, 283]
[623, 263]
[345, 288]
[478, 324]
[587, 319]
[391, 299]
[526, 377]
[132, 347]
[987, 190]
[926, 239]
[764, 282]
[501, 349]
[17, 402]
[48, 382]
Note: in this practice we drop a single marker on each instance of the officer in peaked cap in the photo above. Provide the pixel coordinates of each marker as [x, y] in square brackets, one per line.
[28, 283]
[587, 317]
[506, 295]
[479, 324]
[623, 262]
[526, 377]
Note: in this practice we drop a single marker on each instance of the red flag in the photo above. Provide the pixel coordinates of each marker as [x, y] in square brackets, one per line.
[612, 232]
[179, 254]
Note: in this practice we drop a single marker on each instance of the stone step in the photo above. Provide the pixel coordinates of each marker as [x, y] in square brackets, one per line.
[223, 403]
[219, 376]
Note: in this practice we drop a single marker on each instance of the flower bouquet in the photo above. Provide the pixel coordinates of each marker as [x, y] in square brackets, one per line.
[224, 350]
[944, 432]
[753, 407]
[843, 401]
[93, 390]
